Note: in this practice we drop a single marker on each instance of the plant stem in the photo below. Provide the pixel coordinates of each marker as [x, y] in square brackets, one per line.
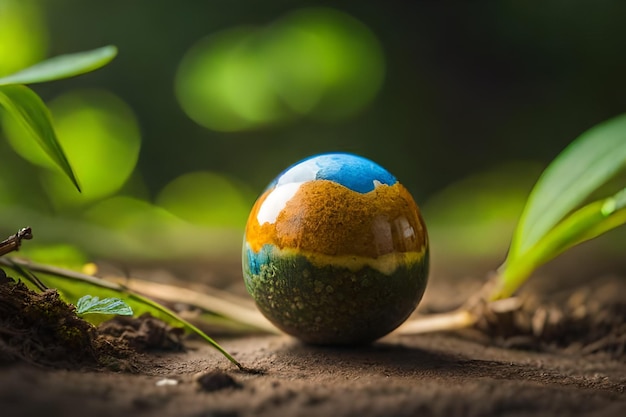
[13, 242]
[211, 299]
[454, 320]
[465, 316]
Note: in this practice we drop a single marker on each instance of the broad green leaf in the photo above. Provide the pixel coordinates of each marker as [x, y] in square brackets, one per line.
[584, 224]
[586, 164]
[72, 285]
[62, 66]
[29, 110]
[614, 216]
[89, 304]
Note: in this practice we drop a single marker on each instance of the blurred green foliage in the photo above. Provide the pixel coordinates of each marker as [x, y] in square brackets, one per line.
[23, 35]
[221, 96]
[317, 62]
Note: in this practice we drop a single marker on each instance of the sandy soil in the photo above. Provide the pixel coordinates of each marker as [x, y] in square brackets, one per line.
[438, 375]
[465, 373]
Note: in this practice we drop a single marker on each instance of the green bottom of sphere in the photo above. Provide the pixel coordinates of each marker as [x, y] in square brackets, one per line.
[333, 305]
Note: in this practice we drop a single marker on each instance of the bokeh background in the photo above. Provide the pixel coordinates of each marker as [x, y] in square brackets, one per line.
[208, 100]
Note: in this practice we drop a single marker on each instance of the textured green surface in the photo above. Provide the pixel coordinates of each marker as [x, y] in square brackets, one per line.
[332, 305]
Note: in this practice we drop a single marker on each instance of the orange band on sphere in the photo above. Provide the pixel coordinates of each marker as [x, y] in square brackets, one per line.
[328, 218]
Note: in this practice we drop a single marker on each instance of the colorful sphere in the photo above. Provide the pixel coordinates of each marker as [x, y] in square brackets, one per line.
[336, 251]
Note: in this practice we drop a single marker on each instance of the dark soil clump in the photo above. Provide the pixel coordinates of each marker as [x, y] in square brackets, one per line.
[588, 320]
[143, 334]
[40, 328]
[216, 381]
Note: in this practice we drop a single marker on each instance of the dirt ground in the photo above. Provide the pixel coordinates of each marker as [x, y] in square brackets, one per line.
[465, 373]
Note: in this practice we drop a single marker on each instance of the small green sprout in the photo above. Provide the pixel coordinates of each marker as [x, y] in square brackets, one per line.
[89, 304]
[558, 214]
[68, 282]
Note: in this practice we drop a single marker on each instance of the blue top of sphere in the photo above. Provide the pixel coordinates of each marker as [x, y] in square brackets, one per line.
[354, 172]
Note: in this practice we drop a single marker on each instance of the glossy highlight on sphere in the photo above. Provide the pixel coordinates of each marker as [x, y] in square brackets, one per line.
[336, 251]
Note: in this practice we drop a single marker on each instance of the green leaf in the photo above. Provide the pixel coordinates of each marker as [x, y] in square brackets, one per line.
[71, 283]
[62, 66]
[30, 111]
[94, 305]
[582, 225]
[586, 164]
